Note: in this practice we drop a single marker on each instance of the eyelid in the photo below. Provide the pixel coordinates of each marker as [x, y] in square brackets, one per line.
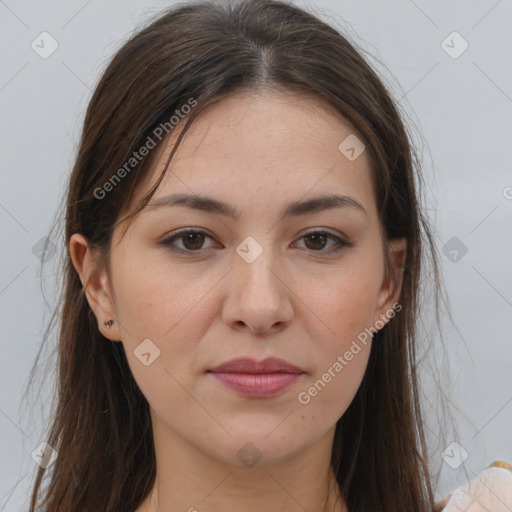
[327, 231]
[168, 240]
[341, 240]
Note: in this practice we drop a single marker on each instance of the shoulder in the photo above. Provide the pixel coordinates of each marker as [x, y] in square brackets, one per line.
[489, 490]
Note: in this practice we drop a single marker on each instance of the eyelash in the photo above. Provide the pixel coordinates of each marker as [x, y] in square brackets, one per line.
[341, 244]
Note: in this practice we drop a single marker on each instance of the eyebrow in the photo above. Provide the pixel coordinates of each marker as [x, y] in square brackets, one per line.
[293, 209]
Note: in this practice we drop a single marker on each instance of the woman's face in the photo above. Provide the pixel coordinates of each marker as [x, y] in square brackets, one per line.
[273, 273]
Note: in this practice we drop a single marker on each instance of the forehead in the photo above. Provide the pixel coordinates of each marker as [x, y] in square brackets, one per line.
[265, 147]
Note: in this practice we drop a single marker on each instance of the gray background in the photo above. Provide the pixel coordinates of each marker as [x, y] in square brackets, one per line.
[461, 108]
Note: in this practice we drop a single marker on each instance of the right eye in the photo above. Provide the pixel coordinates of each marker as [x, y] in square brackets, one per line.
[191, 239]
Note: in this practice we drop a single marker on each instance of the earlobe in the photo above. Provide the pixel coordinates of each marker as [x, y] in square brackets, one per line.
[95, 280]
[392, 284]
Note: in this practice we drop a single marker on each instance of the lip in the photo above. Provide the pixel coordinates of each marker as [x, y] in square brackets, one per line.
[257, 379]
[248, 365]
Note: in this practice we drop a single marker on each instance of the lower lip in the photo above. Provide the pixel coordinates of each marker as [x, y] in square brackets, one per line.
[257, 385]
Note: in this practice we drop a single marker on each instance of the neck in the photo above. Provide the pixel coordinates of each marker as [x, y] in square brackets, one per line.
[232, 493]
[188, 479]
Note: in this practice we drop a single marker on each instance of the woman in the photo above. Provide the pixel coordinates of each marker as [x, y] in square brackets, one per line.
[245, 246]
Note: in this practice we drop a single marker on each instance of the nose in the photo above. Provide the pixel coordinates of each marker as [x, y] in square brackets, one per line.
[259, 296]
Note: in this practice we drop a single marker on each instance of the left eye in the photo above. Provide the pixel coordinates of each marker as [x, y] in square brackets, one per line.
[321, 238]
[193, 240]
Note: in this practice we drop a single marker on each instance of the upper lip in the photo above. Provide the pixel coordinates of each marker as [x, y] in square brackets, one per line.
[248, 365]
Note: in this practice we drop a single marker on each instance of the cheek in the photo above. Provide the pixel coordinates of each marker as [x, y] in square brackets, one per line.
[347, 308]
[346, 303]
[156, 300]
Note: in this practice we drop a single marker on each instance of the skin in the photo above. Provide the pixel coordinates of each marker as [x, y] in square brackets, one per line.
[296, 301]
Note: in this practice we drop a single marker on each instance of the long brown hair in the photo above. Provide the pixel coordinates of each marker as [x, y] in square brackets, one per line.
[204, 52]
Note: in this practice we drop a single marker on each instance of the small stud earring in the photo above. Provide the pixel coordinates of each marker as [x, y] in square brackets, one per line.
[109, 323]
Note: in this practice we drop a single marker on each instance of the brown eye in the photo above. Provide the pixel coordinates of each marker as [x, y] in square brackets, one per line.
[316, 241]
[191, 241]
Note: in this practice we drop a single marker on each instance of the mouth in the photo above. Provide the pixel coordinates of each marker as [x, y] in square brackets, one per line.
[257, 379]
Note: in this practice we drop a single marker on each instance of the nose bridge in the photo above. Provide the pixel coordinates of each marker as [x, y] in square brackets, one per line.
[259, 297]
[257, 261]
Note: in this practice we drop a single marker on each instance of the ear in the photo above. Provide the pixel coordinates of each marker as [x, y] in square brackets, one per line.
[392, 283]
[95, 280]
